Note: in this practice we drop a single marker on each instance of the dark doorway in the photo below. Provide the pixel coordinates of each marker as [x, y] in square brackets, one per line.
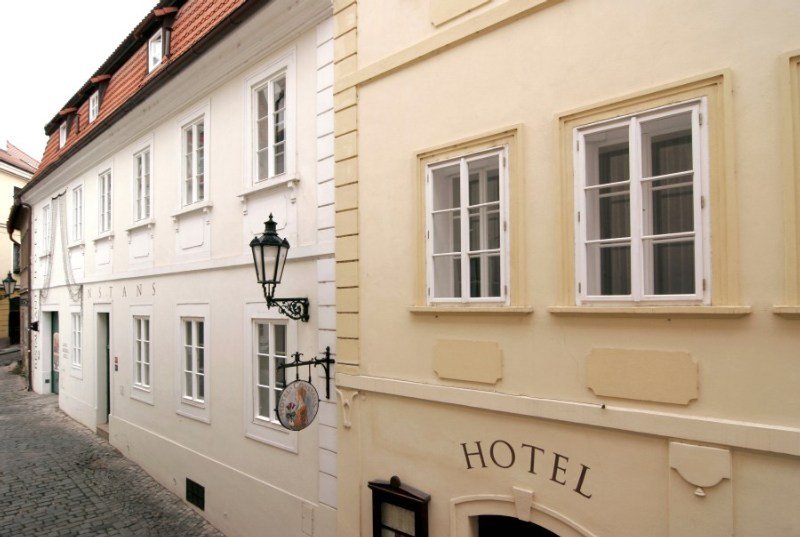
[505, 526]
[13, 320]
[104, 360]
[55, 348]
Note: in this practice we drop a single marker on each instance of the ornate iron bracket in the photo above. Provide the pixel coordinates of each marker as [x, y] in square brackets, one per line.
[293, 308]
[325, 362]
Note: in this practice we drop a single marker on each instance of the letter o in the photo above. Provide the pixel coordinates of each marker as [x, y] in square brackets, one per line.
[510, 450]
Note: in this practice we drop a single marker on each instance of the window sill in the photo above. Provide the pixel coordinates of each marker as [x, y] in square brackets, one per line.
[147, 222]
[787, 312]
[652, 311]
[272, 434]
[76, 372]
[288, 180]
[193, 416]
[75, 244]
[204, 206]
[105, 235]
[143, 395]
[471, 310]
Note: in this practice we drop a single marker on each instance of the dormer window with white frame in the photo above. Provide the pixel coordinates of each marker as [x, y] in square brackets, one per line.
[270, 112]
[155, 51]
[94, 106]
[641, 187]
[62, 135]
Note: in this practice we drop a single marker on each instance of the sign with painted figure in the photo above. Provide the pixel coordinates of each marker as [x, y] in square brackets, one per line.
[298, 405]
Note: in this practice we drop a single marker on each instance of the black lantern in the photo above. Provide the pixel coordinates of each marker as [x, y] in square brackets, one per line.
[9, 284]
[269, 258]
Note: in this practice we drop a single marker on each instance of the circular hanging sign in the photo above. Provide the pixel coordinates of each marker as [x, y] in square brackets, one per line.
[298, 405]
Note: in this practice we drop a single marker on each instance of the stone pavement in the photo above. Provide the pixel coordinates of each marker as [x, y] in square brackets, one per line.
[58, 479]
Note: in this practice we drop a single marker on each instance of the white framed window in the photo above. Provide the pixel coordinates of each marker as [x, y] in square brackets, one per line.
[467, 228]
[193, 138]
[62, 135]
[94, 106]
[77, 358]
[77, 213]
[141, 184]
[640, 193]
[270, 109]
[141, 352]
[268, 353]
[269, 338]
[104, 201]
[270, 128]
[193, 360]
[46, 229]
[155, 51]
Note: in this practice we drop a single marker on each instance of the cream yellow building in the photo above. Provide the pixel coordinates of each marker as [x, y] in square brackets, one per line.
[567, 267]
[16, 169]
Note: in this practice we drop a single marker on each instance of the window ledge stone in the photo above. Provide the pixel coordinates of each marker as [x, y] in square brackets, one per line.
[471, 310]
[104, 235]
[287, 180]
[652, 311]
[197, 206]
[788, 312]
[147, 222]
[76, 244]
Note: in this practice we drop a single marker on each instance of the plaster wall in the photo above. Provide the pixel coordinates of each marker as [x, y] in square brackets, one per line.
[525, 66]
[199, 259]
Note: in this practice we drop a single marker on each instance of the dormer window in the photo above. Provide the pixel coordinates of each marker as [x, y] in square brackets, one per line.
[155, 49]
[94, 106]
[62, 135]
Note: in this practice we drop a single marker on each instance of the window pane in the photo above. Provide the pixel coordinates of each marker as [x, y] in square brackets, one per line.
[263, 370]
[484, 227]
[280, 374]
[187, 332]
[673, 267]
[608, 213]
[280, 339]
[397, 518]
[201, 332]
[187, 384]
[263, 133]
[263, 164]
[261, 103]
[607, 158]
[667, 145]
[609, 269]
[146, 380]
[672, 204]
[263, 402]
[447, 276]
[484, 275]
[201, 388]
[188, 359]
[484, 176]
[201, 360]
[447, 232]
[446, 187]
[280, 159]
[201, 134]
[279, 92]
[263, 338]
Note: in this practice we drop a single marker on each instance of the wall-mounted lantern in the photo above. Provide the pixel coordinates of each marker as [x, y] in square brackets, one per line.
[269, 258]
[9, 285]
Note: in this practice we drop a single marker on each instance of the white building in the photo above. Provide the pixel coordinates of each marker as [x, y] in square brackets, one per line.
[159, 171]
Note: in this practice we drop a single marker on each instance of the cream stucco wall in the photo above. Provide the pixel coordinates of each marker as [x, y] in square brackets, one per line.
[529, 64]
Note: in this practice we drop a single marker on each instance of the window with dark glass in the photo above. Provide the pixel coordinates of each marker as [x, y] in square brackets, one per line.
[398, 510]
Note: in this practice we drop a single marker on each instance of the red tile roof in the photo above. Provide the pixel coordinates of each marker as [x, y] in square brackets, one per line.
[198, 24]
[16, 157]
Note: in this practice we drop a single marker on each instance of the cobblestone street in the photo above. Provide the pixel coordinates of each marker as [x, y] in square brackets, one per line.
[58, 478]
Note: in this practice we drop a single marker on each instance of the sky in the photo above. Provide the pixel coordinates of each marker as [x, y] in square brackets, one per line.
[48, 49]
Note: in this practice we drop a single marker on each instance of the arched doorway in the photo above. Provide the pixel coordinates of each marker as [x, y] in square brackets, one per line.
[505, 526]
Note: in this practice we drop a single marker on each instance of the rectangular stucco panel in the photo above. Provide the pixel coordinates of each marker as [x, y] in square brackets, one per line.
[472, 361]
[644, 375]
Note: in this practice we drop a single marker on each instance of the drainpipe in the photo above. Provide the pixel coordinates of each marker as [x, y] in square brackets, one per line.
[28, 246]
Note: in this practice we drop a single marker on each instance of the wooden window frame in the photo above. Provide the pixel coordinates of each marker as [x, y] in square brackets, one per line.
[639, 267]
[157, 36]
[77, 343]
[513, 287]
[273, 373]
[192, 397]
[104, 201]
[192, 126]
[139, 361]
[62, 134]
[77, 213]
[142, 184]
[94, 106]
